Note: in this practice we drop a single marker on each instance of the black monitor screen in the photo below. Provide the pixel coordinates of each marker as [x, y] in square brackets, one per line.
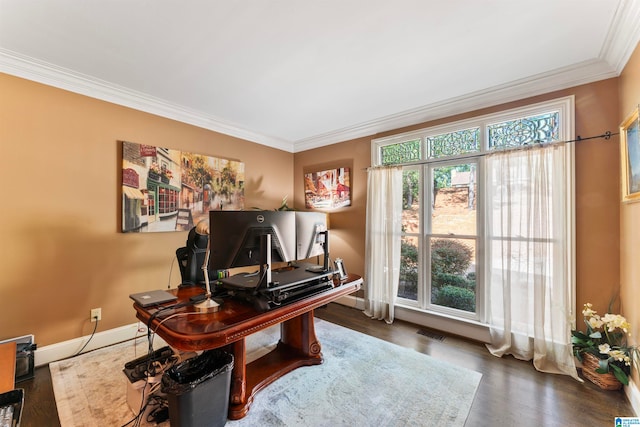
[309, 239]
[235, 237]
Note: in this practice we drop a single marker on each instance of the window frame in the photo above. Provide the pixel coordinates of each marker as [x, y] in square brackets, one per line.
[565, 107]
[428, 235]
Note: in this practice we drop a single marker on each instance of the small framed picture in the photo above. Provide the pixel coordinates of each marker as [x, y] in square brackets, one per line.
[327, 189]
[630, 154]
[340, 270]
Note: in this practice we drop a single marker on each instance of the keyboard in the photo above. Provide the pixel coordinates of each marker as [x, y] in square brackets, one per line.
[11, 407]
[6, 416]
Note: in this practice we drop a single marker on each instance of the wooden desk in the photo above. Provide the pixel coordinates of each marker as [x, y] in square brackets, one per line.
[228, 327]
[7, 366]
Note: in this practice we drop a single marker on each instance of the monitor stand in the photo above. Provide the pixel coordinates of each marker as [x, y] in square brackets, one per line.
[268, 294]
[324, 268]
[265, 262]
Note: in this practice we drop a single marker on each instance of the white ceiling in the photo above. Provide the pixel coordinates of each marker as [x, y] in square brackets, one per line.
[296, 74]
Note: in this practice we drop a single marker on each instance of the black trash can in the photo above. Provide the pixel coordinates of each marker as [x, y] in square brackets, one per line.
[198, 390]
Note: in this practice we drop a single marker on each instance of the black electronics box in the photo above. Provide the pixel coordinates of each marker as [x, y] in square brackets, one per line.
[136, 370]
[24, 356]
[24, 361]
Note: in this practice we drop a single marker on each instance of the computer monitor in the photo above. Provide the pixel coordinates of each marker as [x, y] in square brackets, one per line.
[236, 235]
[310, 236]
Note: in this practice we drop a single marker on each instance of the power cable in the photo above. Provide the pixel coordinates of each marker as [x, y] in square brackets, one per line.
[95, 327]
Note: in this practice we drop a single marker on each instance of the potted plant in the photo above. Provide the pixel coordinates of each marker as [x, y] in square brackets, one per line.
[154, 171]
[165, 175]
[602, 348]
[158, 173]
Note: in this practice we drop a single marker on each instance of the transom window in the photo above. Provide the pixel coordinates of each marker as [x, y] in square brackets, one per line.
[401, 153]
[525, 130]
[454, 143]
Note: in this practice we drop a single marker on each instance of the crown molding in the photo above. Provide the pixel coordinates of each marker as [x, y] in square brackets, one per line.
[42, 72]
[574, 75]
[623, 36]
[622, 39]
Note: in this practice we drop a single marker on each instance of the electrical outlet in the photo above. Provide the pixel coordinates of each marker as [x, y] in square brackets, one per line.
[96, 314]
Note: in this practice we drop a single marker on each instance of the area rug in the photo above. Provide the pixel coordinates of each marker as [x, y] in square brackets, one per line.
[363, 381]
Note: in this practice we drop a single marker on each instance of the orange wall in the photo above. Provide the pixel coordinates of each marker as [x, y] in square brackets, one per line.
[630, 212]
[347, 224]
[62, 249]
[597, 200]
[63, 253]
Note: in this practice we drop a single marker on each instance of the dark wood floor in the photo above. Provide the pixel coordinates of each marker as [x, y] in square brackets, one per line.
[511, 392]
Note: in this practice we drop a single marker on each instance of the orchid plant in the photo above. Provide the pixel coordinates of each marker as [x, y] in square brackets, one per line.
[606, 339]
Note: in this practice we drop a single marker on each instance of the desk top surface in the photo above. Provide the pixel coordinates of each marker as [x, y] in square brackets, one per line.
[186, 329]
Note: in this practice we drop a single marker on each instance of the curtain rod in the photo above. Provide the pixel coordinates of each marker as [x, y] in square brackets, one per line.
[607, 135]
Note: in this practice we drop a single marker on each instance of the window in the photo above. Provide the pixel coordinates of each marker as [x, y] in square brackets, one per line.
[167, 200]
[444, 175]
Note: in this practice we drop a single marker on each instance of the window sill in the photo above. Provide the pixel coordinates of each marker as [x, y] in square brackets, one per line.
[462, 327]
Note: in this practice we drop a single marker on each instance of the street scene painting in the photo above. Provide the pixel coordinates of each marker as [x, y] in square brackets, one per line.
[171, 190]
[328, 189]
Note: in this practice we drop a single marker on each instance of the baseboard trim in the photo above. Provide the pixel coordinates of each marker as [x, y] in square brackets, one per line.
[472, 330]
[633, 394]
[51, 353]
[351, 301]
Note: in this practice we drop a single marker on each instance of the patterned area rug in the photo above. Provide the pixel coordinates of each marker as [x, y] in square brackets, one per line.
[363, 381]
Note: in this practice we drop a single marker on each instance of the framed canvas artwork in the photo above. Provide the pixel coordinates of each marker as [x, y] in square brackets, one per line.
[630, 157]
[327, 189]
[171, 190]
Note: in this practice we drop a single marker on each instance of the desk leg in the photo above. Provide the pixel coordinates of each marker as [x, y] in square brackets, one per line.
[238, 393]
[300, 334]
[298, 347]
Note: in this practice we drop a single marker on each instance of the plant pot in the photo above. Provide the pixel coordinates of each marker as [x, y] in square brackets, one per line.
[606, 381]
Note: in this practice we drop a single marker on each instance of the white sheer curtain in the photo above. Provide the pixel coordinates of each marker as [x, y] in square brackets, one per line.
[529, 270]
[382, 243]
